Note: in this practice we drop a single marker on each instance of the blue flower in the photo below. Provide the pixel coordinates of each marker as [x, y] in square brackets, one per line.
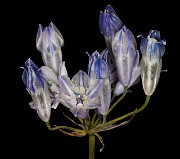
[126, 57]
[35, 83]
[152, 49]
[98, 69]
[109, 23]
[49, 42]
[53, 82]
[78, 94]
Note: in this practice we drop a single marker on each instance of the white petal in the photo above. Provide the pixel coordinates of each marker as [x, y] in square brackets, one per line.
[59, 34]
[105, 96]
[135, 74]
[96, 90]
[93, 103]
[32, 105]
[66, 86]
[113, 77]
[55, 103]
[63, 70]
[49, 74]
[39, 37]
[119, 89]
[81, 79]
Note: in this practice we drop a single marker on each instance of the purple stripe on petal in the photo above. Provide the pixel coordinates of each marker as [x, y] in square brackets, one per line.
[41, 78]
[115, 21]
[102, 22]
[143, 45]
[120, 42]
[51, 48]
[110, 9]
[136, 58]
[155, 34]
[104, 56]
[101, 69]
[39, 38]
[25, 76]
[96, 90]
[81, 79]
[29, 63]
[65, 85]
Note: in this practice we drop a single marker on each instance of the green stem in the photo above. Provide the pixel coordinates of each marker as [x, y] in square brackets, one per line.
[91, 146]
[96, 122]
[126, 115]
[123, 95]
[113, 97]
[93, 118]
[61, 127]
[80, 120]
[104, 119]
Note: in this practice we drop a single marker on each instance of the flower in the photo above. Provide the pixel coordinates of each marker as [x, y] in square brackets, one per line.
[152, 49]
[119, 88]
[78, 94]
[37, 87]
[49, 42]
[112, 67]
[53, 82]
[126, 58]
[109, 23]
[98, 69]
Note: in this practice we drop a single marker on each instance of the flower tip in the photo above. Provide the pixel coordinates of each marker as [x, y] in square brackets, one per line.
[109, 6]
[140, 36]
[101, 12]
[88, 54]
[154, 34]
[28, 61]
[163, 42]
[40, 26]
[110, 9]
[39, 31]
[164, 70]
[51, 25]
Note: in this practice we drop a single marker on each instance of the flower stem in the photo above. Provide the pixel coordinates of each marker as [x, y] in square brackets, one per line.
[91, 146]
[113, 97]
[96, 122]
[104, 119]
[93, 119]
[126, 115]
[61, 127]
[123, 95]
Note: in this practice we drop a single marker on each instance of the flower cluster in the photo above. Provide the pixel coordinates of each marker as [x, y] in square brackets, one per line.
[111, 71]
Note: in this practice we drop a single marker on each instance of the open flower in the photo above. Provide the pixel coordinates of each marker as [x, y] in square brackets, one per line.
[79, 95]
[37, 87]
[126, 58]
[98, 69]
[49, 42]
[152, 49]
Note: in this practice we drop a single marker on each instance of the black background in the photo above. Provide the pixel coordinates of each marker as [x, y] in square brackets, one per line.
[152, 133]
